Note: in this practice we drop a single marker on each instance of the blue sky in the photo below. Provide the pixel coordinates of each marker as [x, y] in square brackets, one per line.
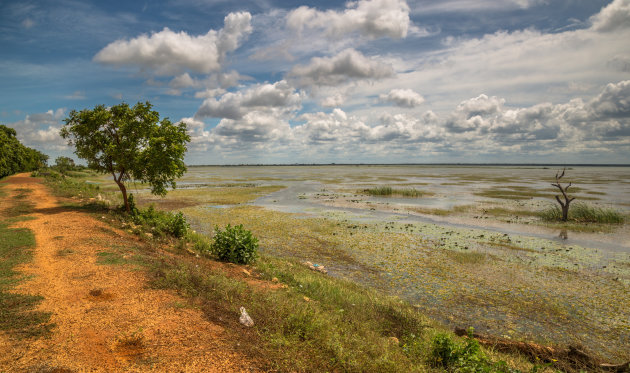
[316, 82]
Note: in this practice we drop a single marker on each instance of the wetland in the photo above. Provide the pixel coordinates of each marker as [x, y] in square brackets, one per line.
[464, 244]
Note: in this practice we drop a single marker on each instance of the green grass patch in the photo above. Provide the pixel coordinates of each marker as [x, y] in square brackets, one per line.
[231, 195]
[584, 213]
[70, 187]
[388, 191]
[17, 315]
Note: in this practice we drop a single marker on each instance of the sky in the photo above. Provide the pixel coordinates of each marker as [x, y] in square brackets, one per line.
[367, 81]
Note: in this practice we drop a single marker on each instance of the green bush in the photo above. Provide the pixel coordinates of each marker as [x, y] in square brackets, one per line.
[235, 244]
[584, 213]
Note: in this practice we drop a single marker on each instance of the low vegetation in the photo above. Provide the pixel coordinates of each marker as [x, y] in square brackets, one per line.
[387, 191]
[584, 213]
[18, 317]
[235, 244]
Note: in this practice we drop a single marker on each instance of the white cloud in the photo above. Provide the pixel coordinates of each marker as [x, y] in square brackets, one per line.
[528, 66]
[462, 6]
[614, 16]
[279, 96]
[41, 130]
[335, 100]
[76, 95]
[403, 97]
[348, 65]
[371, 18]
[484, 123]
[171, 53]
[614, 101]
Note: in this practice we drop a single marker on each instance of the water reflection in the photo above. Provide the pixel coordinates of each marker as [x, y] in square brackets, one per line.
[564, 234]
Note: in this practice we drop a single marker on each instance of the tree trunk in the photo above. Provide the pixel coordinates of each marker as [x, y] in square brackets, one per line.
[565, 211]
[124, 193]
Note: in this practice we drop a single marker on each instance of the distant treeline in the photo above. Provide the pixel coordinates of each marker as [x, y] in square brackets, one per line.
[15, 157]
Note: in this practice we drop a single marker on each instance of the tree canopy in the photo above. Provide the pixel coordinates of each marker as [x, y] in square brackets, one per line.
[130, 143]
[15, 157]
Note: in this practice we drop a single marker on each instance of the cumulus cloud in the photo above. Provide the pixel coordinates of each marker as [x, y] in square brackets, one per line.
[279, 96]
[348, 65]
[577, 121]
[403, 97]
[613, 102]
[614, 16]
[485, 123]
[171, 53]
[371, 18]
[335, 100]
[256, 126]
[41, 130]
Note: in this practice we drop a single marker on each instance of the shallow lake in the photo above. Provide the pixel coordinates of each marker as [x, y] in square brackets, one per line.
[469, 249]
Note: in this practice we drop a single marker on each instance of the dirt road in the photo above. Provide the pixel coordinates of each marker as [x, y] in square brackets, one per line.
[105, 316]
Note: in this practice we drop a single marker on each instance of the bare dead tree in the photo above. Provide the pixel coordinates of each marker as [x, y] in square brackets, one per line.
[564, 191]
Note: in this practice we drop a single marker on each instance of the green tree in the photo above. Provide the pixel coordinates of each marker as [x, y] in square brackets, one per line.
[15, 157]
[130, 143]
[64, 164]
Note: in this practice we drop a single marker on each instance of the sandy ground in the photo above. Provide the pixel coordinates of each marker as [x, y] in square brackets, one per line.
[106, 318]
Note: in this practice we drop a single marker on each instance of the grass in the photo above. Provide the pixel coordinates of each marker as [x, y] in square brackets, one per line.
[584, 213]
[387, 191]
[315, 323]
[17, 315]
[230, 195]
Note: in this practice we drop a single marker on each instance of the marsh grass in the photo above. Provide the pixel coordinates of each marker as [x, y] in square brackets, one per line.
[584, 213]
[232, 195]
[388, 191]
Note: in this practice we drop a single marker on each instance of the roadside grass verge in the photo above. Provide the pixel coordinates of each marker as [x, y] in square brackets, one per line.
[584, 213]
[17, 315]
[388, 191]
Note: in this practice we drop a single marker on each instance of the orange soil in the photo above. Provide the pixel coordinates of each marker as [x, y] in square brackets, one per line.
[106, 318]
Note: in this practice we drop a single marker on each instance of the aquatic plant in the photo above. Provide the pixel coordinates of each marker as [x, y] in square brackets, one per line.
[389, 191]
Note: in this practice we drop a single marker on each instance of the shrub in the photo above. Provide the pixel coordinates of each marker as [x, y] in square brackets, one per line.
[235, 244]
[160, 222]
